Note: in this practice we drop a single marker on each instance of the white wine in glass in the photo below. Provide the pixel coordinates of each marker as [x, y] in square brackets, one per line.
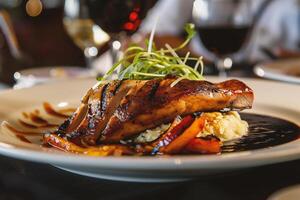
[85, 33]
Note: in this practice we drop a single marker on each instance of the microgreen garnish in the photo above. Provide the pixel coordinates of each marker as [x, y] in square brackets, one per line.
[143, 64]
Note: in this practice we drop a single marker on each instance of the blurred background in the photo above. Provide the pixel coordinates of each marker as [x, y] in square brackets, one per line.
[87, 36]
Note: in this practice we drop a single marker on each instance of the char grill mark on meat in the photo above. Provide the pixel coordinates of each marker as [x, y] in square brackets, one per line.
[103, 98]
[153, 89]
[121, 109]
[102, 103]
[117, 86]
[87, 129]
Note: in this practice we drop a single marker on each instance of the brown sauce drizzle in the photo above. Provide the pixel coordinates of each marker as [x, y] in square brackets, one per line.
[51, 111]
[29, 125]
[19, 132]
[22, 138]
[25, 124]
[35, 117]
[67, 110]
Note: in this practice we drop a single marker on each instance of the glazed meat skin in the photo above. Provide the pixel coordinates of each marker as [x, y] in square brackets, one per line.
[120, 109]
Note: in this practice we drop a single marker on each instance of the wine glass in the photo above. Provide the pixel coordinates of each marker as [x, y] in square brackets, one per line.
[86, 34]
[223, 27]
[91, 23]
[119, 18]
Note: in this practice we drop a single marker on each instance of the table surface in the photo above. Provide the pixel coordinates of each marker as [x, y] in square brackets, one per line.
[27, 180]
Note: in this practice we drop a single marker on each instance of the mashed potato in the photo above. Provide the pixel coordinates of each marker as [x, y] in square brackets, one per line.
[152, 134]
[225, 126]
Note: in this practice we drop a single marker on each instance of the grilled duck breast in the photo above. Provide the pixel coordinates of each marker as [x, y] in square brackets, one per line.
[119, 109]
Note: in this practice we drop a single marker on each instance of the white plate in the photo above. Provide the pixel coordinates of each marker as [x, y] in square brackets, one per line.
[38, 75]
[272, 98]
[287, 70]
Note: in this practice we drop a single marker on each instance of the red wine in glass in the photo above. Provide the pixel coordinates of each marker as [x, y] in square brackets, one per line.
[118, 17]
[223, 40]
[115, 16]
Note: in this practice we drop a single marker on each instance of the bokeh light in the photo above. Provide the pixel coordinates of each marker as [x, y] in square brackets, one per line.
[34, 7]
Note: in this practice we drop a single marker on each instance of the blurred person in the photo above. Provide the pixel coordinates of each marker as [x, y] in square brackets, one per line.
[277, 27]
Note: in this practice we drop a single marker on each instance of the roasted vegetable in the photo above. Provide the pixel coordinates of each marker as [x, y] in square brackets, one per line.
[182, 140]
[203, 146]
[173, 133]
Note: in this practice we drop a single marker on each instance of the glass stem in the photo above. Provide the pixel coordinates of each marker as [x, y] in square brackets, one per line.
[90, 53]
[223, 64]
[114, 51]
[115, 48]
[88, 62]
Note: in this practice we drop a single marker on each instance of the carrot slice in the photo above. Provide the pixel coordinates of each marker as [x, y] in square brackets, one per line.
[174, 131]
[181, 141]
[199, 145]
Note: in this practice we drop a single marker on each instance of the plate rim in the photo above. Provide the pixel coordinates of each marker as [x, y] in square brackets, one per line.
[162, 163]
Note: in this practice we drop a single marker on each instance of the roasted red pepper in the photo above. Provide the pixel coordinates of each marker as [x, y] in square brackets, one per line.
[173, 133]
[177, 145]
